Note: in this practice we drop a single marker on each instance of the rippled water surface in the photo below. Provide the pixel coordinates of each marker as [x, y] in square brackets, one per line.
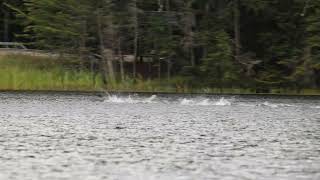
[81, 136]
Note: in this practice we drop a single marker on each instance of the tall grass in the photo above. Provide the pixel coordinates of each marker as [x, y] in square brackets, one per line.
[20, 72]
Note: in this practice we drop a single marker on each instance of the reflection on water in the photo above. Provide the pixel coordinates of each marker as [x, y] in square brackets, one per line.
[78, 136]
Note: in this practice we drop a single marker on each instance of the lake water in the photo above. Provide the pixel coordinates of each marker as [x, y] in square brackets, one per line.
[166, 137]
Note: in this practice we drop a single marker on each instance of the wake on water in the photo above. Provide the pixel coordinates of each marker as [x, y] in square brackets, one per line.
[193, 101]
[129, 99]
[206, 102]
[154, 99]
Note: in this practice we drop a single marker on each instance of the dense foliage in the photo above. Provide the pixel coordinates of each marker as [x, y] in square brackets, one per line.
[258, 44]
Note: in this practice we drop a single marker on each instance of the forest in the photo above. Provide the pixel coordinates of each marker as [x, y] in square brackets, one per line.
[224, 44]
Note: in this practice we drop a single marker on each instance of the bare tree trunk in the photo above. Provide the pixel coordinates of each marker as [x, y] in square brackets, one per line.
[205, 47]
[309, 75]
[93, 72]
[82, 44]
[136, 39]
[192, 58]
[107, 54]
[150, 69]
[102, 48]
[6, 26]
[110, 57]
[159, 68]
[120, 60]
[160, 6]
[169, 69]
[188, 24]
[111, 52]
[170, 34]
[168, 5]
[237, 39]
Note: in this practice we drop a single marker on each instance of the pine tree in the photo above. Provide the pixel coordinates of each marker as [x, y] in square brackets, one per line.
[57, 24]
[308, 70]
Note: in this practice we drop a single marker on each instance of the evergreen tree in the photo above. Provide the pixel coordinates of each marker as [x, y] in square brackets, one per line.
[268, 44]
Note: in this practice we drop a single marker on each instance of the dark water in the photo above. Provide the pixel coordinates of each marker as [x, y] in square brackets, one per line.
[77, 136]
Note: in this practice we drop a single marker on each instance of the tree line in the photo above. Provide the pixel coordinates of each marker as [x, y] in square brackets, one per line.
[258, 44]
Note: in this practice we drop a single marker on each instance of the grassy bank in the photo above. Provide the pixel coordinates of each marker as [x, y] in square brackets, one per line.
[21, 72]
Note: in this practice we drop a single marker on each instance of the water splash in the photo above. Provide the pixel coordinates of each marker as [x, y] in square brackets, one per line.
[273, 105]
[115, 99]
[268, 104]
[287, 105]
[223, 102]
[195, 101]
[151, 99]
[185, 101]
[130, 100]
[205, 102]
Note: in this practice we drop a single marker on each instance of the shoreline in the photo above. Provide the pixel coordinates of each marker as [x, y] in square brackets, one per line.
[98, 93]
[30, 74]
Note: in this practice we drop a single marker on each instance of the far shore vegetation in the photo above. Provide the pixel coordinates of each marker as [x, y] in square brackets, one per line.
[183, 46]
[29, 73]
